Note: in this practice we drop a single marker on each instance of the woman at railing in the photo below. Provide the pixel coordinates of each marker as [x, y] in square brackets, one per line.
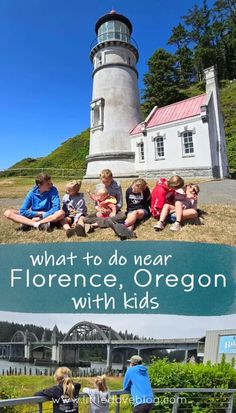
[65, 394]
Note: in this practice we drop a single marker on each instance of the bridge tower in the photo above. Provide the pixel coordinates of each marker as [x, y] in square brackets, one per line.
[115, 106]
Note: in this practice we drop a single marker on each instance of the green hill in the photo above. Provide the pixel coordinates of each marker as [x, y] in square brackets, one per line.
[71, 154]
[228, 103]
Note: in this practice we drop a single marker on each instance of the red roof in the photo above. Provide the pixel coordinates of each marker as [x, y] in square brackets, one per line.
[177, 111]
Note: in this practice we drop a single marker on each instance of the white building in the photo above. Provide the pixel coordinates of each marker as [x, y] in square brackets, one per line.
[215, 344]
[185, 138]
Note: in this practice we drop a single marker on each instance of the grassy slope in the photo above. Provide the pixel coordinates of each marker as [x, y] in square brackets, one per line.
[228, 102]
[71, 153]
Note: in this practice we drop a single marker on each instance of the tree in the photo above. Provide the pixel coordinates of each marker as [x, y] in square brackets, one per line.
[200, 34]
[183, 54]
[162, 80]
[224, 29]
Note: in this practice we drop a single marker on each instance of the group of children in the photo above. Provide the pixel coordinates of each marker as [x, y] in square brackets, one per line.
[169, 201]
[65, 394]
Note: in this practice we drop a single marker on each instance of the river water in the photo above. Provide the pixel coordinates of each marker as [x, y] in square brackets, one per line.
[5, 365]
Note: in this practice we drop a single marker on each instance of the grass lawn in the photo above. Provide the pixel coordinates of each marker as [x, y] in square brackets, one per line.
[26, 386]
[219, 223]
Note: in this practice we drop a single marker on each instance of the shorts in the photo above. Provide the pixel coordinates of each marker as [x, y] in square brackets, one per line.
[143, 408]
[72, 217]
[171, 218]
[146, 213]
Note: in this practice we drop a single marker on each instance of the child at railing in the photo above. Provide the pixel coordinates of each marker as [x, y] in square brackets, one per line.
[99, 396]
[64, 394]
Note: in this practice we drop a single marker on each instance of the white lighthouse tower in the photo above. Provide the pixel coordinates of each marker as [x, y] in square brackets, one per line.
[115, 107]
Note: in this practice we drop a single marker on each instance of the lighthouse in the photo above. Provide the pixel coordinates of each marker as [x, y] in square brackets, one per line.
[115, 106]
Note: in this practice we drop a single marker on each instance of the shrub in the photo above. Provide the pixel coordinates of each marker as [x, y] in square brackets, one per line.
[174, 375]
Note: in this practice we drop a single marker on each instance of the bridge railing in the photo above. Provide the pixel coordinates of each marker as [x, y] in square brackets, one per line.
[173, 400]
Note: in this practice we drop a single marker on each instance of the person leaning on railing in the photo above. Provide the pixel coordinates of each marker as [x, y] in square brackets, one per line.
[137, 382]
[65, 394]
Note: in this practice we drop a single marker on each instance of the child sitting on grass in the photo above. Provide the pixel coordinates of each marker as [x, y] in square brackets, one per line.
[184, 208]
[64, 394]
[164, 193]
[105, 203]
[99, 396]
[114, 189]
[75, 210]
[138, 208]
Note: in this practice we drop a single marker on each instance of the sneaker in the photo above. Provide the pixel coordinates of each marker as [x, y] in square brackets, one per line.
[88, 228]
[24, 227]
[80, 231]
[44, 227]
[176, 226]
[70, 232]
[159, 226]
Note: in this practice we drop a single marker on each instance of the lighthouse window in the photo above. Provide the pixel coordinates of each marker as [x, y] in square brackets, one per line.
[97, 113]
[140, 146]
[96, 116]
[113, 30]
[99, 60]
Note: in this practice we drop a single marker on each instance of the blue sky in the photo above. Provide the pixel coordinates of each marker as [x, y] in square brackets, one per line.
[45, 71]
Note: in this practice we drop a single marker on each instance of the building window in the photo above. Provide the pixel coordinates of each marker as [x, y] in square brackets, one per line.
[159, 147]
[97, 114]
[187, 143]
[141, 156]
[99, 60]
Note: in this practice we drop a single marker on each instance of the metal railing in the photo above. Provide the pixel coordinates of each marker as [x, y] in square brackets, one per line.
[113, 36]
[212, 400]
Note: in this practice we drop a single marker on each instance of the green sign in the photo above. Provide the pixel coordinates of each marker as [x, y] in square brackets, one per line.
[128, 277]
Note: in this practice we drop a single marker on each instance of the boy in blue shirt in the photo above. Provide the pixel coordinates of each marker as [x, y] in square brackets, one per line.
[137, 382]
[40, 207]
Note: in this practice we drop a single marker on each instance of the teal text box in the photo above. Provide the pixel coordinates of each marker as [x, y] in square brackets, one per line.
[129, 277]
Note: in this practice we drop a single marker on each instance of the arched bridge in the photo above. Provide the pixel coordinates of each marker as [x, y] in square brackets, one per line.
[85, 333]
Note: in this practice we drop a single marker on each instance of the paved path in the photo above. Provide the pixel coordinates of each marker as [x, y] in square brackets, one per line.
[211, 192]
[218, 192]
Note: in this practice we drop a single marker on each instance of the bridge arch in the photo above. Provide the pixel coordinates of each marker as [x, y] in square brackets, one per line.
[21, 337]
[87, 331]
